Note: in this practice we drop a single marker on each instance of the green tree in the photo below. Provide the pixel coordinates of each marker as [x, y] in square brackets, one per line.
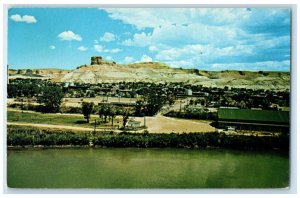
[171, 99]
[138, 107]
[154, 102]
[112, 114]
[125, 116]
[104, 110]
[51, 98]
[87, 109]
[243, 105]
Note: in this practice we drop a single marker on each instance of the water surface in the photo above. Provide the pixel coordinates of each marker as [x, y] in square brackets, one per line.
[145, 168]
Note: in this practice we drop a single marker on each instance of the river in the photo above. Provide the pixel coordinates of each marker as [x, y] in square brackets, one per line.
[145, 168]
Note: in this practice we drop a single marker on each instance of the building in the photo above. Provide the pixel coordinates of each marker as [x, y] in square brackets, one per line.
[188, 92]
[194, 108]
[248, 119]
[133, 124]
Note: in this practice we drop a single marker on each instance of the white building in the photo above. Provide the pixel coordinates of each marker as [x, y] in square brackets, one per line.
[133, 124]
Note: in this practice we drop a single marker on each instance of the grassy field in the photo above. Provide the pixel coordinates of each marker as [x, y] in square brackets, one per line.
[56, 119]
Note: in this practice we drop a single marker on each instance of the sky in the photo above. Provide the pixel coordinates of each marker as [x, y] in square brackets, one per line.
[251, 39]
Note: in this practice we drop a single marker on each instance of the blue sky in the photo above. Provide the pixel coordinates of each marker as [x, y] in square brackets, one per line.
[202, 38]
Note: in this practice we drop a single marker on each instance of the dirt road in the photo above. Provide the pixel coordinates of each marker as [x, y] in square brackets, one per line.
[163, 124]
[62, 127]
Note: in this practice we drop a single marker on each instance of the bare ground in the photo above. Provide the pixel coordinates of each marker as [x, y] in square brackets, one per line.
[61, 127]
[163, 124]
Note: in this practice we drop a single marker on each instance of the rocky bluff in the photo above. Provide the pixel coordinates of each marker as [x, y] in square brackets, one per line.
[97, 60]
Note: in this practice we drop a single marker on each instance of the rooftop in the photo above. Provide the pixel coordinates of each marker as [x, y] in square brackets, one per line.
[253, 115]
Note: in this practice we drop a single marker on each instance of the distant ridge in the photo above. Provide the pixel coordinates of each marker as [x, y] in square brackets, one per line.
[104, 71]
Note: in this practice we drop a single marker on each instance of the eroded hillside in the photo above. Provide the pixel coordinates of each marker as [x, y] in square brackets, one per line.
[102, 71]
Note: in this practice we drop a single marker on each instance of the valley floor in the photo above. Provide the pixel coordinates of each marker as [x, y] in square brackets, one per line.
[75, 122]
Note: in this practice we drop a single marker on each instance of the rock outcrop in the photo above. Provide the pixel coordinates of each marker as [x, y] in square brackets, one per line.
[97, 60]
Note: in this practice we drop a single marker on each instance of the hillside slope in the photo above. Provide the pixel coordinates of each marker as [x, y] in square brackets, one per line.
[159, 72]
[148, 72]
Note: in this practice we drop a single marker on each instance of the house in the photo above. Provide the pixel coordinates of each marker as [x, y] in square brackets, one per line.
[200, 94]
[188, 92]
[133, 124]
[194, 108]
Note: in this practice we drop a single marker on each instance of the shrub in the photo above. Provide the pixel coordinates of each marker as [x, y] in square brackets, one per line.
[65, 109]
[22, 136]
[242, 73]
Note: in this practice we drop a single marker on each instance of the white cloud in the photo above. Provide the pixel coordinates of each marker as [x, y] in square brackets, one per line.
[98, 48]
[220, 26]
[193, 56]
[186, 51]
[96, 42]
[201, 37]
[108, 37]
[25, 18]
[256, 66]
[140, 40]
[179, 26]
[52, 47]
[146, 58]
[115, 50]
[101, 49]
[153, 48]
[128, 59]
[69, 35]
[158, 17]
[109, 58]
[148, 17]
[82, 48]
[181, 63]
[204, 52]
[196, 34]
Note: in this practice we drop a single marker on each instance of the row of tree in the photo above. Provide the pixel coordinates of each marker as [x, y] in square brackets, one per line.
[21, 136]
[149, 105]
[105, 111]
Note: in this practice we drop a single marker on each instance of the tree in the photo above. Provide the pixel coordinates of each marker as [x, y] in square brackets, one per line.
[125, 115]
[51, 98]
[112, 114]
[138, 107]
[243, 105]
[87, 109]
[104, 110]
[171, 99]
[154, 102]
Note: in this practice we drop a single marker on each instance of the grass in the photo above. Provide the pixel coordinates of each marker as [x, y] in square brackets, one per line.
[55, 119]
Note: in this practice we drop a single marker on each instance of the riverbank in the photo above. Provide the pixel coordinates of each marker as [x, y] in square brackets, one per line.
[33, 137]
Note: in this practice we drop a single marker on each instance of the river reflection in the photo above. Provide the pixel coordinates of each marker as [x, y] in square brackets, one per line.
[145, 168]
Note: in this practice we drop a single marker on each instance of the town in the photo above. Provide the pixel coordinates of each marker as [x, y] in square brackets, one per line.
[115, 97]
[132, 104]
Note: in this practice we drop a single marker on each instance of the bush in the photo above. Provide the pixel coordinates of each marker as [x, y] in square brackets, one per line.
[242, 73]
[22, 136]
[14, 105]
[65, 109]
[214, 76]
[193, 115]
[263, 73]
